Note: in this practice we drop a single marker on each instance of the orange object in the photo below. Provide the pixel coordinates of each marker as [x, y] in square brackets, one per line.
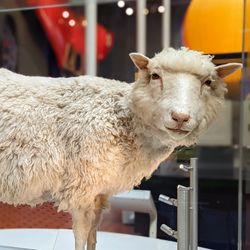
[216, 27]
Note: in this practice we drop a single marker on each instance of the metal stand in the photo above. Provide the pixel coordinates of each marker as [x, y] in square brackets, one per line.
[187, 211]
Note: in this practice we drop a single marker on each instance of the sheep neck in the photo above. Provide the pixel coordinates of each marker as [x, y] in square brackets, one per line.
[149, 139]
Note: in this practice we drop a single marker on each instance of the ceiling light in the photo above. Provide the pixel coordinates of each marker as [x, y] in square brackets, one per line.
[129, 11]
[65, 14]
[84, 23]
[121, 4]
[146, 11]
[72, 22]
[161, 9]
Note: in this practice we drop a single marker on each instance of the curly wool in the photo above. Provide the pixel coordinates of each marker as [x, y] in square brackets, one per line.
[185, 60]
[67, 140]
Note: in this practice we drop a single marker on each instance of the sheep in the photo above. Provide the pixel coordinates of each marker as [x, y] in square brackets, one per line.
[77, 141]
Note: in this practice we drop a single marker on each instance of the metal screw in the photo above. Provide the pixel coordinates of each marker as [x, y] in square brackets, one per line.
[168, 200]
[185, 168]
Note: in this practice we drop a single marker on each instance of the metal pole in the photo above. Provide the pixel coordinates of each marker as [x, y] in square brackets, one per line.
[183, 217]
[187, 210]
[166, 22]
[90, 38]
[141, 26]
[241, 128]
[194, 204]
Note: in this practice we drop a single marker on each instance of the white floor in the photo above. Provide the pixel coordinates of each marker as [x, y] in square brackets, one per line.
[53, 239]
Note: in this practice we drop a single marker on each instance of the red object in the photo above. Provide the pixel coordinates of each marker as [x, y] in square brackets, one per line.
[66, 33]
[41, 216]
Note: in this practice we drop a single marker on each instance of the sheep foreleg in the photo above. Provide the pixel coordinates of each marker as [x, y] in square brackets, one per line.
[100, 205]
[82, 224]
[91, 244]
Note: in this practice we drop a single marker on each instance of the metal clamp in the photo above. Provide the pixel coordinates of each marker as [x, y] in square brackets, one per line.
[169, 231]
[168, 200]
[185, 168]
[187, 210]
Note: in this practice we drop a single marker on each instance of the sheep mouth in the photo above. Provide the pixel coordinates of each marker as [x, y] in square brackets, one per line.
[178, 131]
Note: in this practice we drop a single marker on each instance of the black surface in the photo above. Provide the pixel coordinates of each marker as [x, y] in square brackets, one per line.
[217, 206]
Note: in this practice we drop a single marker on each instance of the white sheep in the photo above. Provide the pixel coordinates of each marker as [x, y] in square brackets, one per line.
[77, 141]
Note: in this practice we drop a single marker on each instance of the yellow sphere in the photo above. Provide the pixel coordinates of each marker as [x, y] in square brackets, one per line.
[216, 26]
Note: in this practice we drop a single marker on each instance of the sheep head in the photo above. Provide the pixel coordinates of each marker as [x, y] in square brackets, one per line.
[179, 92]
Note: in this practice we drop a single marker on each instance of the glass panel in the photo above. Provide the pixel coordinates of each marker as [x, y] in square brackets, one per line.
[245, 90]
[29, 46]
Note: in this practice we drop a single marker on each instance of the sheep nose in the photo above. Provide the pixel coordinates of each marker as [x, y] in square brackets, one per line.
[180, 118]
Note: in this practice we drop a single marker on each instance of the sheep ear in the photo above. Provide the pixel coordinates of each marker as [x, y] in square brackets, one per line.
[227, 69]
[139, 60]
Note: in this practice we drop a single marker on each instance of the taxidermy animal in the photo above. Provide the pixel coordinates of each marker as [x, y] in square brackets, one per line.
[77, 141]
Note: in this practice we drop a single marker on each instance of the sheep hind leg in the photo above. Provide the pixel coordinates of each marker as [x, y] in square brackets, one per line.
[100, 205]
[82, 224]
[91, 243]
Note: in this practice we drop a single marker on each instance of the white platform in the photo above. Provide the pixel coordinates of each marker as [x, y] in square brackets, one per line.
[62, 239]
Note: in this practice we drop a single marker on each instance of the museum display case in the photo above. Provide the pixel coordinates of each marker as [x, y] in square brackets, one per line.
[63, 38]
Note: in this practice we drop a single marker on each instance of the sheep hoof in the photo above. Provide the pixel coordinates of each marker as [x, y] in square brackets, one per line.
[91, 246]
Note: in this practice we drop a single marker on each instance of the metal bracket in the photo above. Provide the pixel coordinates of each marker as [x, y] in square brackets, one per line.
[168, 200]
[185, 168]
[187, 210]
[169, 231]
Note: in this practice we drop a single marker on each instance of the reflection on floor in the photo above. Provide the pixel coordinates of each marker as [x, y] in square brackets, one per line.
[112, 223]
[247, 223]
[46, 216]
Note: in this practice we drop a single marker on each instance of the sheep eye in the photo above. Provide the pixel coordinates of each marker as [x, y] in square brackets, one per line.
[208, 82]
[155, 76]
